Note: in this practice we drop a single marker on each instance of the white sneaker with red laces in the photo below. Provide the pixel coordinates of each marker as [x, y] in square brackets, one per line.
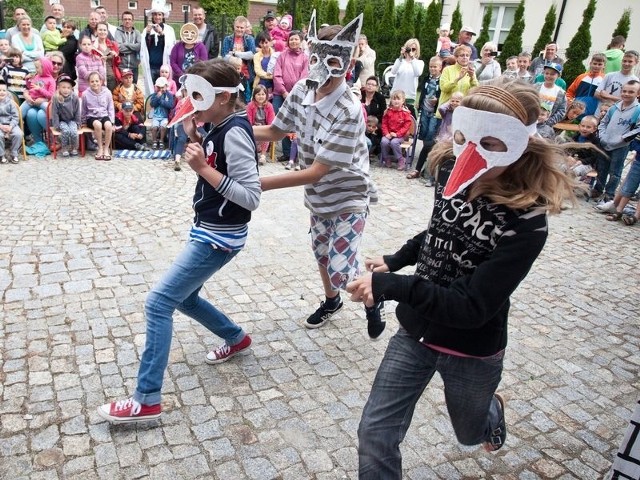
[129, 411]
[224, 352]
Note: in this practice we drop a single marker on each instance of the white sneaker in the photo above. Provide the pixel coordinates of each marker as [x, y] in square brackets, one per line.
[606, 207]
[3, 160]
[262, 159]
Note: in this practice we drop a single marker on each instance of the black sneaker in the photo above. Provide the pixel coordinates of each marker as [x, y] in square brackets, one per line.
[321, 316]
[375, 324]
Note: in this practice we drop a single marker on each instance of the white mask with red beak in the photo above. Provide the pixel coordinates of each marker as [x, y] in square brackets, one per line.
[469, 128]
[200, 96]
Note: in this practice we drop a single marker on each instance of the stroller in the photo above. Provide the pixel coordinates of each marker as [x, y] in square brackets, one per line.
[385, 79]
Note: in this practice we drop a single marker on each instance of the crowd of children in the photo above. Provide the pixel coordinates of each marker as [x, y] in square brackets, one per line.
[595, 120]
[595, 117]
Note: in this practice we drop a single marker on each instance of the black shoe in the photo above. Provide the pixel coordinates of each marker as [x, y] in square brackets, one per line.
[499, 434]
[283, 158]
[321, 316]
[375, 324]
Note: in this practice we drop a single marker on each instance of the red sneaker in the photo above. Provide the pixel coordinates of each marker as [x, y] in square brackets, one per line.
[224, 352]
[129, 411]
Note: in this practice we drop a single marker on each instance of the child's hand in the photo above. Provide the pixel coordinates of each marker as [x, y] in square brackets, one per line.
[194, 154]
[190, 128]
[376, 264]
[361, 290]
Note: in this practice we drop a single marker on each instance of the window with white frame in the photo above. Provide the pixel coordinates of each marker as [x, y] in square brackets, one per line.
[169, 6]
[186, 8]
[502, 20]
[132, 5]
[94, 3]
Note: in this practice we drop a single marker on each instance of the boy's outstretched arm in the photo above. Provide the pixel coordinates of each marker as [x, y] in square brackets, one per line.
[268, 133]
[306, 176]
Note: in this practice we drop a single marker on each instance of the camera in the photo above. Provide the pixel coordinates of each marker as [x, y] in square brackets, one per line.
[493, 54]
[407, 50]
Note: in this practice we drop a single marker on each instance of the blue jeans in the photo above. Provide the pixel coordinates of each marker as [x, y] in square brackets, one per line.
[611, 170]
[36, 118]
[179, 289]
[632, 182]
[429, 126]
[405, 371]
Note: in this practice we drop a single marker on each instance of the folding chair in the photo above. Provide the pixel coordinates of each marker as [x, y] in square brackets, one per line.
[408, 144]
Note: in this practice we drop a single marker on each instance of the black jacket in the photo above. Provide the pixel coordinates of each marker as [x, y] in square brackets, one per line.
[211, 40]
[468, 263]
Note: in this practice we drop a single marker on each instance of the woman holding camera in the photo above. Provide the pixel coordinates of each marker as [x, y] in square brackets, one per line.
[459, 77]
[487, 68]
[407, 69]
[158, 38]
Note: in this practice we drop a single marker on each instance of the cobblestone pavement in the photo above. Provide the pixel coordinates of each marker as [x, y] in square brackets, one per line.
[83, 241]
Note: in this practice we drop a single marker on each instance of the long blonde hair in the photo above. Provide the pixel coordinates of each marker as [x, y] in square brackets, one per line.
[535, 180]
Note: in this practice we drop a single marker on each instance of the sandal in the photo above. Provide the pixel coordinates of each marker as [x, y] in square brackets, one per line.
[629, 219]
[614, 217]
[498, 434]
[414, 174]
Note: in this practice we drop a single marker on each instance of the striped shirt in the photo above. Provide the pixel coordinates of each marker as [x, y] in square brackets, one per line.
[331, 132]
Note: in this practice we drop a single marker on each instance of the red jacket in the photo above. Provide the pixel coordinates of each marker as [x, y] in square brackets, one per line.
[396, 121]
[269, 112]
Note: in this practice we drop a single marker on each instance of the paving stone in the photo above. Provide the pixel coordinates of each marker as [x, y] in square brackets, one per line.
[72, 330]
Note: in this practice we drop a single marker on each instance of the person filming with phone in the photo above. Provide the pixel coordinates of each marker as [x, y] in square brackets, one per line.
[487, 68]
[459, 77]
[407, 69]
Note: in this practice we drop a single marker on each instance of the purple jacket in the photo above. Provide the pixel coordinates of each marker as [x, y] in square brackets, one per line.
[97, 105]
[177, 56]
[291, 66]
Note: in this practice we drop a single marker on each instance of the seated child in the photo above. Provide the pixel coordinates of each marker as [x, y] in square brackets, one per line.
[65, 115]
[98, 114]
[14, 74]
[161, 103]
[582, 162]
[396, 123]
[127, 91]
[374, 136]
[544, 130]
[51, 37]
[260, 112]
[446, 112]
[9, 126]
[167, 72]
[512, 68]
[4, 52]
[130, 131]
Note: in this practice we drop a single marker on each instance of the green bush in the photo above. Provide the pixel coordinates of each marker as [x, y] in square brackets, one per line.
[579, 46]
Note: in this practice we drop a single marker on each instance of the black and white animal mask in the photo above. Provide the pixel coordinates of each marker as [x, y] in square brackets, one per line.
[322, 52]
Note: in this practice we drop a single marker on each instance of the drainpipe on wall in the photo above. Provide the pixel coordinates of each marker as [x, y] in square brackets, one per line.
[560, 17]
